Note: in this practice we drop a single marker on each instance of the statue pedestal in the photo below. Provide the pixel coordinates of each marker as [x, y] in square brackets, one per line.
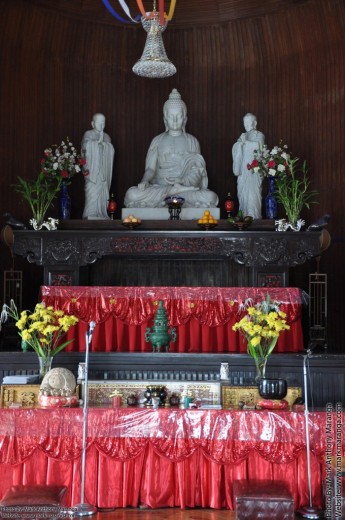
[163, 213]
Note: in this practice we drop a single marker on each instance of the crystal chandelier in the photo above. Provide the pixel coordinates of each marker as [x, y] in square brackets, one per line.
[154, 62]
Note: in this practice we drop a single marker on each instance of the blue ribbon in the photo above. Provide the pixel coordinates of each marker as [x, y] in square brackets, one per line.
[114, 13]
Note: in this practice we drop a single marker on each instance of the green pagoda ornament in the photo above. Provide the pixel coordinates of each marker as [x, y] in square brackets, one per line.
[160, 336]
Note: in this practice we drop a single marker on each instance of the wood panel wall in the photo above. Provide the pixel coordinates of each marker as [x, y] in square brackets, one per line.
[60, 63]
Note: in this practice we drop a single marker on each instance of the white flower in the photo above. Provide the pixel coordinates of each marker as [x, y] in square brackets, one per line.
[285, 156]
[272, 172]
[274, 151]
[77, 168]
[4, 314]
[281, 168]
[55, 166]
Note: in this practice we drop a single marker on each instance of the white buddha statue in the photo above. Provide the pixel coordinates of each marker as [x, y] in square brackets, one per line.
[98, 152]
[174, 166]
[248, 183]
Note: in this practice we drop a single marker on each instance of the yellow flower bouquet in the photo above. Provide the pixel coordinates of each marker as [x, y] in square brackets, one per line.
[261, 327]
[42, 329]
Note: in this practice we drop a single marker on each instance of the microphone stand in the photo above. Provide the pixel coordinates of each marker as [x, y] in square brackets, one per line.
[84, 509]
[310, 511]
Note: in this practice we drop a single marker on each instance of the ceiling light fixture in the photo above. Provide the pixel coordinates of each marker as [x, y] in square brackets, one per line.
[154, 62]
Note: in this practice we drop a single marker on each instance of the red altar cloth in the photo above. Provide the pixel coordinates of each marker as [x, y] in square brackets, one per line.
[203, 316]
[164, 457]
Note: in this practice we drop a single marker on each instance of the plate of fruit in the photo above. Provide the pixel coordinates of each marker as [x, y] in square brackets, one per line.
[131, 222]
[207, 221]
[240, 222]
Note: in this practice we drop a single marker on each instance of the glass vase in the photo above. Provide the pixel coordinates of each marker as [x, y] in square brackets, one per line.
[260, 364]
[270, 200]
[64, 203]
[45, 365]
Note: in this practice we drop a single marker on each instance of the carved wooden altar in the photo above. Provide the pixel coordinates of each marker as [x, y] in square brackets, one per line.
[267, 253]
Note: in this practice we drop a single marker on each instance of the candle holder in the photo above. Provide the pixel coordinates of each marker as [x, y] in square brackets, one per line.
[174, 204]
[229, 205]
[112, 206]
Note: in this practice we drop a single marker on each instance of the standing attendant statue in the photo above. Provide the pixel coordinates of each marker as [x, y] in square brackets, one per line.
[174, 166]
[249, 184]
[98, 152]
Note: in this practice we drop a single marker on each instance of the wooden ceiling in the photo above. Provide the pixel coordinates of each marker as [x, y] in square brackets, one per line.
[187, 13]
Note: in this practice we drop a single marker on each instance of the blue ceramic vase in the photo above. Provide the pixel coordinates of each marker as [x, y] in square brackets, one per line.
[64, 202]
[271, 201]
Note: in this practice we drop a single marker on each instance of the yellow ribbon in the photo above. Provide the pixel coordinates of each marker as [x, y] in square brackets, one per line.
[162, 14]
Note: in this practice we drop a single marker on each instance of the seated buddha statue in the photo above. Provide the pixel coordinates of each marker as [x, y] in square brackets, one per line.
[174, 166]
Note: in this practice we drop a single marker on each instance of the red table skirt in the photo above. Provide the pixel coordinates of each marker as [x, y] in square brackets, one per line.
[203, 316]
[164, 457]
[155, 481]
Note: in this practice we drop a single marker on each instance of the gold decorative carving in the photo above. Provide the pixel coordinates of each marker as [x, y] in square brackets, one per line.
[99, 391]
[24, 395]
[249, 395]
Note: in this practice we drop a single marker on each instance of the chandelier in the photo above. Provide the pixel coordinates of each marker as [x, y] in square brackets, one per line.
[154, 62]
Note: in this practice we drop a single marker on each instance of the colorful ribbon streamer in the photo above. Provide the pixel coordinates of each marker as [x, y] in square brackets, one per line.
[163, 17]
[126, 10]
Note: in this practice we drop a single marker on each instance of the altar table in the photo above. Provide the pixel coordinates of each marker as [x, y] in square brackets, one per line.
[203, 316]
[160, 457]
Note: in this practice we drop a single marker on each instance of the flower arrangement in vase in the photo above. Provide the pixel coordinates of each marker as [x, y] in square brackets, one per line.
[291, 183]
[293, 192]
[270, 163]
[59, 164]
[42, 330]
[261, 327]
[63, 161]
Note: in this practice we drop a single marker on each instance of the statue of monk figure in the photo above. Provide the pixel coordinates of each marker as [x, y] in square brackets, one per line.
[99, 155]
[174, 166]
[248, 183]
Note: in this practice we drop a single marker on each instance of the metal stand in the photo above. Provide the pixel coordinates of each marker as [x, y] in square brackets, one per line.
[84, 509]
[174, 211]
[174, 203]
[310, 512]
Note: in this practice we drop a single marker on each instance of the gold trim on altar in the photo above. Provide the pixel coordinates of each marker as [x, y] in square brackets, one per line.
[25, 396]
[232, 396]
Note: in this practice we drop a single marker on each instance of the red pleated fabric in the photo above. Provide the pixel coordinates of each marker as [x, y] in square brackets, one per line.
[161, 458]
[203, 316]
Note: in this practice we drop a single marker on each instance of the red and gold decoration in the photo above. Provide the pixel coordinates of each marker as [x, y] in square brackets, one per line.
[229, 205]
[112, 206]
